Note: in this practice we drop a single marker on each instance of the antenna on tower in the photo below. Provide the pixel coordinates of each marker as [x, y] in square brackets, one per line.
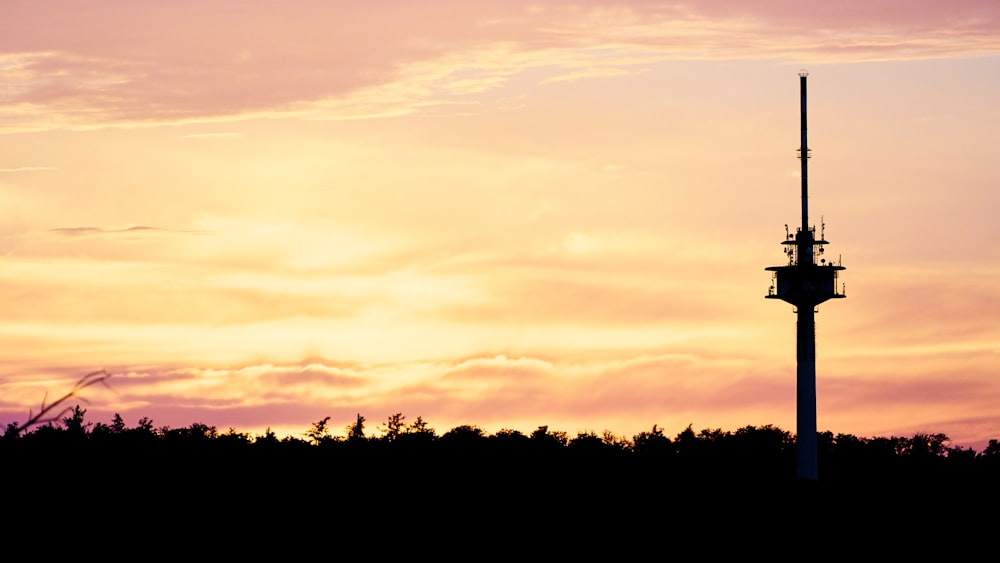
[804, 153]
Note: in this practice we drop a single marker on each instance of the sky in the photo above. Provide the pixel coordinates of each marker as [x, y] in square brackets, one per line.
[258, 213]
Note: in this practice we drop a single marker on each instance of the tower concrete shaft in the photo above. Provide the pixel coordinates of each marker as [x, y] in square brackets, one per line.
[805, 284]
[806, 453]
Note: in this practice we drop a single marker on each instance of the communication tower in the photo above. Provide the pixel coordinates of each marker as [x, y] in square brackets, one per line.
[807, 280]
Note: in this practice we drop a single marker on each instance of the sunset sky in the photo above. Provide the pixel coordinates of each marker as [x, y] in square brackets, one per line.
[259, 213]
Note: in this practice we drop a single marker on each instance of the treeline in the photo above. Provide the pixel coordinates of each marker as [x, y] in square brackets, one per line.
[398, 469]
[750, 447]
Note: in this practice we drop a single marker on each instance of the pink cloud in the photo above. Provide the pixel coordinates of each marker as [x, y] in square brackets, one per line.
[91, 64]
[624, 395]
[972, 16]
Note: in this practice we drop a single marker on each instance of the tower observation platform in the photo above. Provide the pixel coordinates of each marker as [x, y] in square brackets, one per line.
[805, 281]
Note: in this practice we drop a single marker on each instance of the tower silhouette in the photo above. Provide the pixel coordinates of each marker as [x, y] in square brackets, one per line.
[805, 281]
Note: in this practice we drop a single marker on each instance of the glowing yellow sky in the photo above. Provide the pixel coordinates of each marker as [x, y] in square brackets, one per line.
[508, 214]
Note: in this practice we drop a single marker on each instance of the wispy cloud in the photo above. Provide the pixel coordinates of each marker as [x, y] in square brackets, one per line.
[128, 232]
[375, 65]
[27, 169]
[212, 135]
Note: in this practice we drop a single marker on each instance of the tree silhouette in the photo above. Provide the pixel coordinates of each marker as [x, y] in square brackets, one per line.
[394, 427]
[464, 435]
[117, 424]
[509, 439]
[319, 433]
[992, 449]
[653, 444]
[542, 438]
[267, 439]
[74, 424]
[145, 426]
[924, 445]
[420, 426]
[356, 431]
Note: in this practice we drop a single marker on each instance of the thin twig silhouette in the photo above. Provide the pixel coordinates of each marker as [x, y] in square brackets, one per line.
[91, 378]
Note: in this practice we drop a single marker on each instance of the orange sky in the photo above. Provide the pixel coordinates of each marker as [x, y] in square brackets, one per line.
[260, 213]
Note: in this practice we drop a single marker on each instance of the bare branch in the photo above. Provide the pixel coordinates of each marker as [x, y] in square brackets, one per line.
[99, 376]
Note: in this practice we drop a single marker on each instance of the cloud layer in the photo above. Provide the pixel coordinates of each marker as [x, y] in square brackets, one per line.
[116, 63]
[511, 214]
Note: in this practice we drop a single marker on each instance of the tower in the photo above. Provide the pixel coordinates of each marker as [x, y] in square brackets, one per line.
[805, 281]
